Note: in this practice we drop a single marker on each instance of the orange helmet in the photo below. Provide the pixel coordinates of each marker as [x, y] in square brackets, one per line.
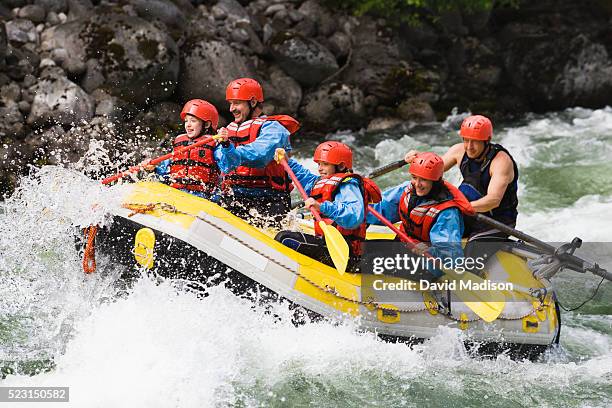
[244, 89]
[335, 153]
[427, 165]
[477, 127]
[201, 109]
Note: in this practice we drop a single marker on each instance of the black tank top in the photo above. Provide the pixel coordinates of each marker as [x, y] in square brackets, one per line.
[477, 175]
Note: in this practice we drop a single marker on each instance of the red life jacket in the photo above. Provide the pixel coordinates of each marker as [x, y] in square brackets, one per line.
[273, 175]
[326, 188]
[194, 169]
[417, 220]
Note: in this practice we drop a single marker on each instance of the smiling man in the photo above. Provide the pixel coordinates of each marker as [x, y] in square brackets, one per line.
[252, 179]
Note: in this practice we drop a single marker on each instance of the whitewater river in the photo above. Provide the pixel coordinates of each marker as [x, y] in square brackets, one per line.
[156, 345]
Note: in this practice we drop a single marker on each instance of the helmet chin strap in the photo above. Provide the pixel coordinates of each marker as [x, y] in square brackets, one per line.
[484, 151]
[251, 109]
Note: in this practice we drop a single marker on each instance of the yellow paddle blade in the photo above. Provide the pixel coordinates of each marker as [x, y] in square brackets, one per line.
[144, 242]
[336, 245]
[487, 304]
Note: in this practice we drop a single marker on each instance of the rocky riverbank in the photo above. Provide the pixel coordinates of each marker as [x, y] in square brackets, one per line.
[118, 71]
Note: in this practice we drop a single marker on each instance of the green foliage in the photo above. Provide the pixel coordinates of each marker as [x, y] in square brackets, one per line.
[413, 10]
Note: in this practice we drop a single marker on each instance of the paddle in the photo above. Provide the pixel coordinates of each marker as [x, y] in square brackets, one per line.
[336, 244]
[564, 253]
[157, 160]
[387, 168]
[486, 309]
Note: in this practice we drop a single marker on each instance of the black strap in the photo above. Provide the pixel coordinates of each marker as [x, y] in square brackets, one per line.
[239, 139]
[193, 163]
[238, 177]
[188, 181]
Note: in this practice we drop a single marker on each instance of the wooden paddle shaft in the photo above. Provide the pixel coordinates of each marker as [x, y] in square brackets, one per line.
[387, 168]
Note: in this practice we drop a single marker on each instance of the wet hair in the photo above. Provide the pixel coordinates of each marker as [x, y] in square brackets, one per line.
[437, 188]
[207, 130]
[342, 169]
[258, 105]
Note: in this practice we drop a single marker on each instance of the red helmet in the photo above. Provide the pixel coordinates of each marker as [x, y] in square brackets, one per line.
[244, 89]
[334, 153]
[427, 165]
[476, 127]
[202, 110]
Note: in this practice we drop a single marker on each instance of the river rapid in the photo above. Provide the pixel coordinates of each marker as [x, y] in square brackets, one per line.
[158, 344]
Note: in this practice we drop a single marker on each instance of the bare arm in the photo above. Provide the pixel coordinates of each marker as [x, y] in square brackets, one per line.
[502, 174]
[453, 156]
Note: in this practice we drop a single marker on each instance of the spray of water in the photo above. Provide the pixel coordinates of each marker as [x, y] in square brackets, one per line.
[162, 345]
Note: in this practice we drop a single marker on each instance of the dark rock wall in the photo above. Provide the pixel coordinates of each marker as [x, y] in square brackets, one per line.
[120, 70]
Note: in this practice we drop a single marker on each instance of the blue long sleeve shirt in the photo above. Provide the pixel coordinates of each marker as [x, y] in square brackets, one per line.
[445, 233]
[258, 153]
[347, 209]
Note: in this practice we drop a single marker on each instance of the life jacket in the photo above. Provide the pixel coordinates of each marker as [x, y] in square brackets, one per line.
[273, 175]
[194, 169]
[326, 188]
[476, 179]
[417, 220]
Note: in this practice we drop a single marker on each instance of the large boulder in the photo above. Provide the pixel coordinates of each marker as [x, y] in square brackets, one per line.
[416, 110]
[129, 57]
[59, 100]
[21, 31]
[165, 11]
[282, 93]
[78, 9]
[207, 67]
[376, 65]
[56, 6]
[302, 58]
[33, 12]
[334, 106]
[553, 77]
[10, 125]
[3, 42]
[324, 23]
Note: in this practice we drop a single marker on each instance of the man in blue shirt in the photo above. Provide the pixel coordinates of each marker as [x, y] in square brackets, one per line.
[255, 186]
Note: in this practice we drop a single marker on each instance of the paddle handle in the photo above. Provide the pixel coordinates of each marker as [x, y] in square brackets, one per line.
[300, 188]
[387, 168]
[156, 160]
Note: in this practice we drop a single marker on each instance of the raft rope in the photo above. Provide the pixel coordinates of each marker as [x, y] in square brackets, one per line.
[89, 255]
[138, 208]
[583, 303]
